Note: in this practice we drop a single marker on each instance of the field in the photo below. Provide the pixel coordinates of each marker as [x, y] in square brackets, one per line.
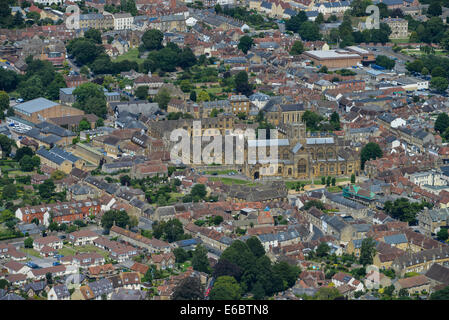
[131, 55]
[70, 251]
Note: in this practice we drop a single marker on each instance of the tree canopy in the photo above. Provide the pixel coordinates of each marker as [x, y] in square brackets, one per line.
[370, 151]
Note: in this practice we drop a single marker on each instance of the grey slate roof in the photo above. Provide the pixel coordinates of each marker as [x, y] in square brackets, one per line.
[100, 287]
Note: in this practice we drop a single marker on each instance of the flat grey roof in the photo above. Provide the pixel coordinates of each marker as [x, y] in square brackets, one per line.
[35, 105]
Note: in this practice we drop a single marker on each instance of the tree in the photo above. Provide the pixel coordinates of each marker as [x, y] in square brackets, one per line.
[297, 48]
[189, 289]
[334, 181]
[319, 19]
[6, 215]
[241, 84]
[288, 273]
[10, 192]
[162, 98]
[309, 31]
[200, 261]
[142, 92]
[203, 96]
[84, 125]
[225, 288]
[21, 152]
[245, 44]
[47, 189]
[314, 203]
[99, 123]
[328, 181]
[94, 35]
[28, 163]
[385, 62]
[120, 218]
[28, 242]
[181, 255]
[91, 99]
[434, 9]
[367, 251]
[193, 95]
[226, 268]
[5, 144]
[323, 249]
[335, 120]
[295, 22]
[370, 151]
[217, 220]
[125, 180]
[4, 103]
[441, 123]
[312, 120]
[353, 178]
[84, 50]
[255, 246]
[439, 84]
[49, 278]
[31, 88]
[199, 190]
[443, 234]
[152, 39]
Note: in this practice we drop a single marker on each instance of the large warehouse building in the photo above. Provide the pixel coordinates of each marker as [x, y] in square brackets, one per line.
[338, 58]
[40, 109]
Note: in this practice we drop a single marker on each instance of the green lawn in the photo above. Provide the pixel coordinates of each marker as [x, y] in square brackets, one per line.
[399, 40]
[92, 248]
[334, 189]
[67, 251]
[31, 252]
[131, 55]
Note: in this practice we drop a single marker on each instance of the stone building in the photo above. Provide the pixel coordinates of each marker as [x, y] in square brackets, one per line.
[398, 26]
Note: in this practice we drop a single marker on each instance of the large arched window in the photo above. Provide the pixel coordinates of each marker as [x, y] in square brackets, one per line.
[330, 153]
[320, 154]
[302, 166]
[322, 168]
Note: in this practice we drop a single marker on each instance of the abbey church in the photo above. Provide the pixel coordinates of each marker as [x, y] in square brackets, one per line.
[303, 154]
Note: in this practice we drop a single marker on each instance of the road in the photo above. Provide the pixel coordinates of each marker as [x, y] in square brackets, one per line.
[73, 65]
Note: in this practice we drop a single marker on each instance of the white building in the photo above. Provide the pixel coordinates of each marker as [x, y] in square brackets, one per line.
[430, 178]
[48, 2]
[123, 21]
